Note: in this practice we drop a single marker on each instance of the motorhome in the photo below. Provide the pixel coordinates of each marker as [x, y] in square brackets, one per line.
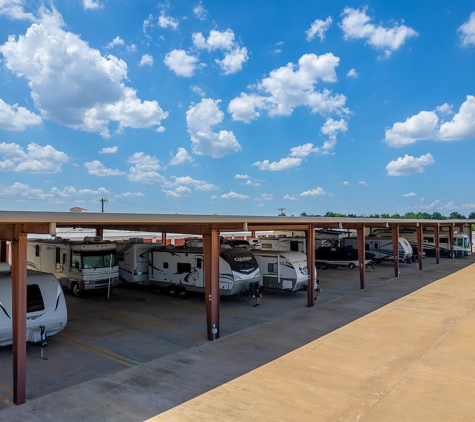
[133, 257]
[45, 306]
[79, 265]
[462, 246]
[181, 269]
[382, 247]
[283, 270]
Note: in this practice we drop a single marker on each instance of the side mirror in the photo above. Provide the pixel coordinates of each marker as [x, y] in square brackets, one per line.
[77, 265]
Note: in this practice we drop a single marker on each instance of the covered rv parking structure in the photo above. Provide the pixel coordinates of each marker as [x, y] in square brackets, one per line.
[15, 227]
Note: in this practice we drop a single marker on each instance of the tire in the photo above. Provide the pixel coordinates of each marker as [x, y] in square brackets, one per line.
[334, 266]
[317, 266]
[351, 266]
[182, 293]
[324, 266]
[172, 291]
[75, 290]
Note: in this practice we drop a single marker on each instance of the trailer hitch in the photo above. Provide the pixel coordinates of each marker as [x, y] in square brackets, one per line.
[44, 343]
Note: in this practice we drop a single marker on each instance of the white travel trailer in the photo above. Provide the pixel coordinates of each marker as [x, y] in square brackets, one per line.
[283, 270]
[279, 243]
[79, 265]
[45, 306]
[382, 247]
[181, 269]
[133, 257]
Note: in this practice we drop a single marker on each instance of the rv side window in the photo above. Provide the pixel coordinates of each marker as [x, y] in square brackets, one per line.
[64, 259]
[376, 245]
[294, 245]
[199, 262]
[367, 246]
[75, 258]
[34, 298]
[272, 268]
[58, 255]
[120, 256]
[37, 250]
[183, 267]
[444, 240]
[430, 239]
[165, 265]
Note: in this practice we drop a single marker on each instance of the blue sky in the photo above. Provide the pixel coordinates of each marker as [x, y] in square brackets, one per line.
[213, 107]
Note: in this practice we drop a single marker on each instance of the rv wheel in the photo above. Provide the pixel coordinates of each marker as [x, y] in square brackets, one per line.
[182, 293]
[351, 265]
[172, 291]
[324, 266]
[75, 290]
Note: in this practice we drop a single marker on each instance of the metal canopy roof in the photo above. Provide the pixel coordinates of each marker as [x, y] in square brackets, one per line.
[46, 222]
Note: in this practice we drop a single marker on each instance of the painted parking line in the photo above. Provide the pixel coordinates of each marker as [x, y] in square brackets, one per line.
[4, 399]
[108, 354]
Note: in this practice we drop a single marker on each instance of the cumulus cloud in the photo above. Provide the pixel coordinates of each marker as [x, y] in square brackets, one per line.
[241, 176]
[283, 164]
[467, 31]
[146, 60]
[292, 86]
[92, 4]
[408, 165]
[345, 183]
[234, 195]
[352, 73]
[182, 63]
[145, 169]
[179, 192]
[167, 21]
[109, 150]
[201, 119]
[314, 192]
[181, 157]
[198, 185]
[406, 195]
[115, 42]
[16, 118]
[356, 25]
[318, 28]
[36, 159]
[27, 192]
[15, 9]
[234, 55]
[73, 84]
[199, 11]
[96, 168]
[427, 125]
[290, 198]
[197, 90]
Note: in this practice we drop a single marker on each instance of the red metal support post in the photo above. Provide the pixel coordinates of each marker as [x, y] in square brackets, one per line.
[451, 240]
[395, 236]
[164, 239]
[100, 232]
[19, 243]
[419, 245]
[211, 249]
[360, 233]
[310, 240]
[437, 243]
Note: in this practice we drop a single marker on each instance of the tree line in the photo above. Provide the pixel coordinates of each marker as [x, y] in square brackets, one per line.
[408, 215]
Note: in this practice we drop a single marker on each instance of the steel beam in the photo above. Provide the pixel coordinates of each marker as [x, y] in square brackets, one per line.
[419, 245]
[451, 240]
[360, 233]
[395, 236]
[19, 243]
[310, 240]
[211, 249]
[437, 244]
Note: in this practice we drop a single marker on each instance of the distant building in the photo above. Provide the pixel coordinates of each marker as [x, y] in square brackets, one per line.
[77, 209]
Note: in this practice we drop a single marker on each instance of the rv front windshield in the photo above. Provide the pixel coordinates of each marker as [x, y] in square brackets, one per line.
[240, 261]
[98, 259]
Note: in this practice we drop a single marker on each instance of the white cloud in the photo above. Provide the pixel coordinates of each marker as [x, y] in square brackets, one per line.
[345, 183]
[266, 197]
[302, 151]
[201, 120]
[406, 195]
[146, 60]
[355, 25]
[241, 176]
[427, 125]
[92, 4]
[352, 73]
[234, 195]
[96, 168]
[17, 118]
[128, 194]
[198, 185]
[116, 41]
[283, 164]
[318, 27]
[38, 159]
[182, 63]
[109, 150]
[292, 86]
[234, 57]
[26, 191]
[467, 31]
[199, 11]
[73, 84]
[15, 9]
[408, 165]
[179, 192]
[331, 128]
[362, 182]
[167, 21]
[181, 157]
[290, 198]
[197, 90]
[314, 192]
[145, 169]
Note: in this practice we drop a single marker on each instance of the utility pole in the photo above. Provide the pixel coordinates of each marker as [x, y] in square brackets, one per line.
[103, 201]
[281, 211]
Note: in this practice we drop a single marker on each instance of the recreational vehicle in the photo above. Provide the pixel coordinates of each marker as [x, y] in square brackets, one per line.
[340, 256]
[181, 269]
[279, 243]
[132, 257]
[283, 270]
[79, 265]
[45, 306]
[382, 247]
